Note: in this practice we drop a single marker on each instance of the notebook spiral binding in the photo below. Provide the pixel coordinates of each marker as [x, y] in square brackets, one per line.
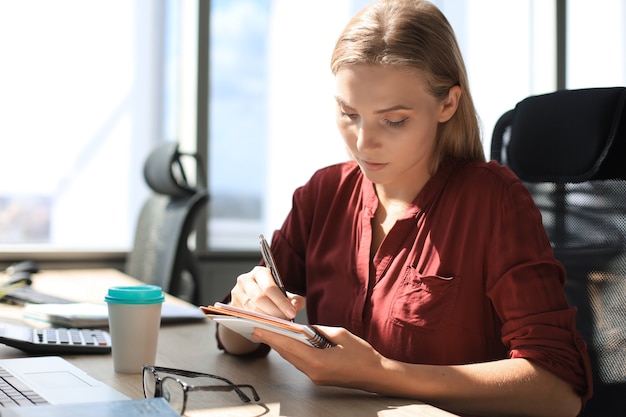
[319, 341]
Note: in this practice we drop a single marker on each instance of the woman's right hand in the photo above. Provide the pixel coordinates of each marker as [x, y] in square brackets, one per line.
[257, 291]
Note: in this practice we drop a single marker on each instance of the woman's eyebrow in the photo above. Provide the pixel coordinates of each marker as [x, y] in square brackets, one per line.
[393, 108]
[341, 102]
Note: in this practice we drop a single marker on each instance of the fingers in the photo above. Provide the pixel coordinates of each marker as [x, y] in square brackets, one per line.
[313, 362]
[345, 364]
[256, 291]
[297, 301]
[292, 350]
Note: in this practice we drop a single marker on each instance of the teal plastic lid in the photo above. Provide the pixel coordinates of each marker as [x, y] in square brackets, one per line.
[135, 294]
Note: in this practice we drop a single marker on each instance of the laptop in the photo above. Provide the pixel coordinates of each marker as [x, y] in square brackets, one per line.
[147, 407]
[55, 381]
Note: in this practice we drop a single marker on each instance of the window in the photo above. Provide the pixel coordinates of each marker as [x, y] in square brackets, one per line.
[80, 93]
[238, 118]
[596, 44]
[88, 88]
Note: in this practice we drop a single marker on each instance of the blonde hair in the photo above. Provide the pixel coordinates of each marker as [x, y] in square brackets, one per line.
[415, 34]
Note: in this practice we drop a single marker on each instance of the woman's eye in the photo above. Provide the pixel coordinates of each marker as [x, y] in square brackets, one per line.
[396, 123]
[351, 116]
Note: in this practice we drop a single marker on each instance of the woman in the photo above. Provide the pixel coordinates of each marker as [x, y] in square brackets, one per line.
[428, 267]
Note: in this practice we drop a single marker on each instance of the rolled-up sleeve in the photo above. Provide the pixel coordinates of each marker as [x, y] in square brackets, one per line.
[527, 293]
[548, 338]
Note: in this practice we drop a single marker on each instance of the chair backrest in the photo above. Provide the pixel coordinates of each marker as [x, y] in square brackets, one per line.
[161, 254]
[569, 148]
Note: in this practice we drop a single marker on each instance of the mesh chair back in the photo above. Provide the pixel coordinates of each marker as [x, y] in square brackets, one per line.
[161, 253]
[569, 148]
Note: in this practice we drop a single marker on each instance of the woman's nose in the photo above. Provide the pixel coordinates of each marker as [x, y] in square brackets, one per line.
[366, 137]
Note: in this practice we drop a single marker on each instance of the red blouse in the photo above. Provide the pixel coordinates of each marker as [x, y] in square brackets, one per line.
[467, 275]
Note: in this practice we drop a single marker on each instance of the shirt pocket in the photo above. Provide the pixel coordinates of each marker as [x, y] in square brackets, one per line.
[424, 301]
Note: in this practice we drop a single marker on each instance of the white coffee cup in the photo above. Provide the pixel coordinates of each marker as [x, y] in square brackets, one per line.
[134, 322]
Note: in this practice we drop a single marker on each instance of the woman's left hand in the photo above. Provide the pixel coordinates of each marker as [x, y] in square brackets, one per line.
[498, 388]
[352, 363]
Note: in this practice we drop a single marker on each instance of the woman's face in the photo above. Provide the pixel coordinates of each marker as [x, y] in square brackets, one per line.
[389, 120]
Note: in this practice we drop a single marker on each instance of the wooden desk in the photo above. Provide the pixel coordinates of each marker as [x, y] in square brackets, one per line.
[284, 390]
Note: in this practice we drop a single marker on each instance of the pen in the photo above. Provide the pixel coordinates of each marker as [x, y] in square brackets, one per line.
[269, 263]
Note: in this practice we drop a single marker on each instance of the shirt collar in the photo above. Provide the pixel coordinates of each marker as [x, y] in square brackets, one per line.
[428, 194]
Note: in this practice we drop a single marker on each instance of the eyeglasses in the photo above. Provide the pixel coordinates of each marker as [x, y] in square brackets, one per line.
[175, 391]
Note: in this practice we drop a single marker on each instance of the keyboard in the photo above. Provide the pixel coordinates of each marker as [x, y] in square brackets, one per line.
[55, 340]
[14, 392]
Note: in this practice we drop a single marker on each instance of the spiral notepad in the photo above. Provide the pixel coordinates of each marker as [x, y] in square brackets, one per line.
[244, 322]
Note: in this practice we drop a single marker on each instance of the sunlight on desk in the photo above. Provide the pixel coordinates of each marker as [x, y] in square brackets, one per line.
[413, 410]
[247, 410]
[273, 410]
[309, 402]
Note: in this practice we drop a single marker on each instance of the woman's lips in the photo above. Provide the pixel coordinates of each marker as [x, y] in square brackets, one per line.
[373, 166]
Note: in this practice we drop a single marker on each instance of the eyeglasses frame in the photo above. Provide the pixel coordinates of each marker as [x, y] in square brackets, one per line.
[158, 381]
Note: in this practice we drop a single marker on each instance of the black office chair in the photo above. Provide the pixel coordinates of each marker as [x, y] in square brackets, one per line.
[569, 147]
[161, 254]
